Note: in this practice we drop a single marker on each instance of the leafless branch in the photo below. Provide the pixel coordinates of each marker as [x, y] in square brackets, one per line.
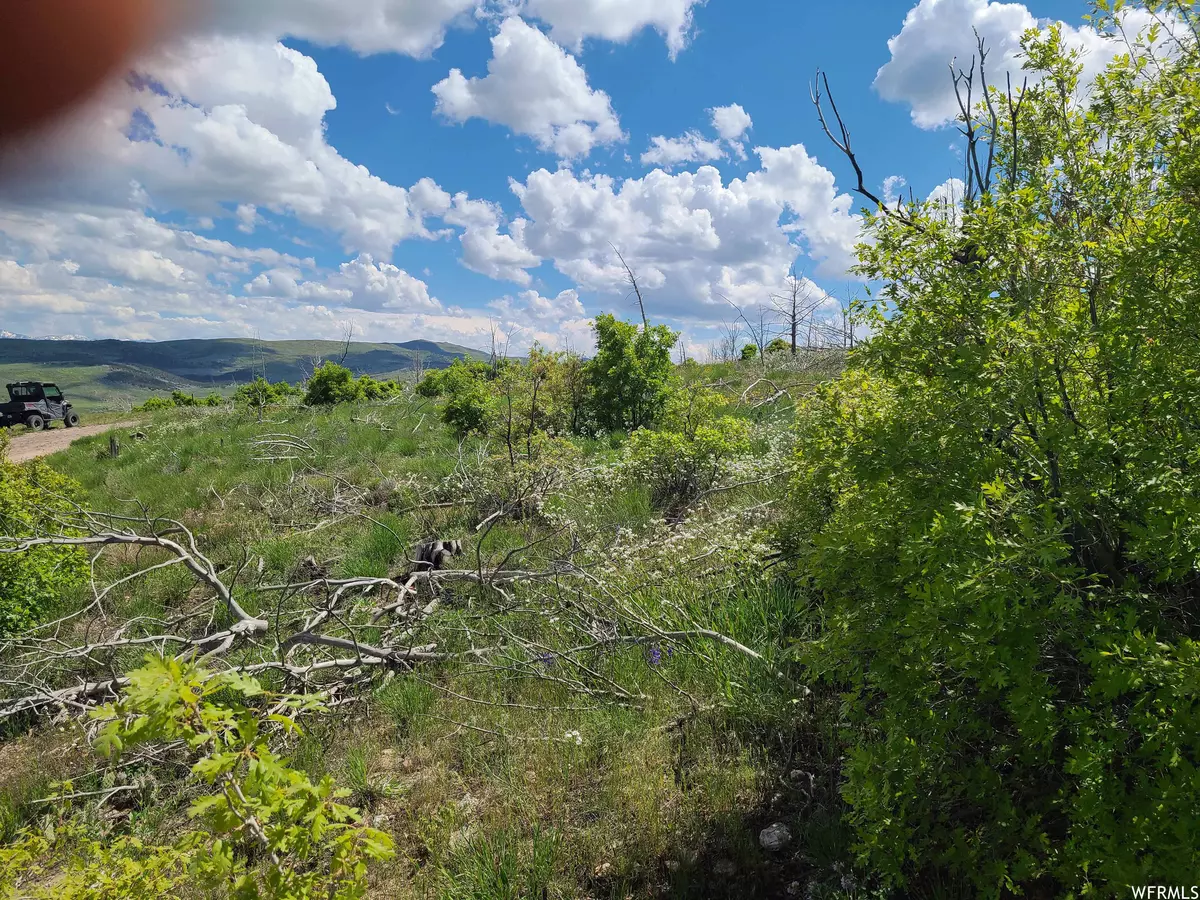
[842, 140]
[330, 632]
[346, 343]
[632, 280]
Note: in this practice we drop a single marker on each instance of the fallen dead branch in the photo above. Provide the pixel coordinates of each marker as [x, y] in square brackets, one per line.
[328, 633]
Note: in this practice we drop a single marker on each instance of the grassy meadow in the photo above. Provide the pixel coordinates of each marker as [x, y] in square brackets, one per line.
[921, 621]
[499, 778]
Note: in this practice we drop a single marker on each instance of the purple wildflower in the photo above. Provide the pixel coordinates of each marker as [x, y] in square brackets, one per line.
[654, 656]
[546, 659]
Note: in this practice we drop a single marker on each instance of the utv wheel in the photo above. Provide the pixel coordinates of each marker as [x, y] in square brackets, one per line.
[71, 420]
[35, 423]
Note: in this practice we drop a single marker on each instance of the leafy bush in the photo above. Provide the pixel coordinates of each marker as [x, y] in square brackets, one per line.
[380, 390]
[440, 382]
[623, 387]
[779, 345]
[310, 845]
[68, 856]
[464, 384]
[331, 384]
[513, 400]
[517, 487]
[154, 404]
[261, 393]
[749, 352]
[630, 375]
[688, 455]
[568, 389]
[179, 400]
[30, 496]
[999, 508]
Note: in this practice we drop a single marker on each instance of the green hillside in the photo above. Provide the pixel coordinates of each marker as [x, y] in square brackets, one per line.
[112, 374]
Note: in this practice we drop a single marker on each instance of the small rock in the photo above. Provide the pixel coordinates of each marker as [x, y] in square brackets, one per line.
[775, 837]
[381, 821]
[461, 837]
[603, 870]
[794, 889]
[724, 868]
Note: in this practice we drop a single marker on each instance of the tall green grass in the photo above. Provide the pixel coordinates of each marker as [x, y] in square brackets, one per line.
[473, 768]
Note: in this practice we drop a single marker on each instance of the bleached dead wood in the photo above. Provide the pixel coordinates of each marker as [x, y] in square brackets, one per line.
[336, 631]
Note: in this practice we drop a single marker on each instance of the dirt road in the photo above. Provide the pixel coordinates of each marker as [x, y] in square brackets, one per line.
[32, 446]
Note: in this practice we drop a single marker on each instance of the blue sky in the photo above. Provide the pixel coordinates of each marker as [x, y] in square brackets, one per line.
[434, 168]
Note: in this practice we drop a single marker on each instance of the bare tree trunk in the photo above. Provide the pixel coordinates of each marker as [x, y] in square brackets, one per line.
[795, 305]
[631, 278]
[346, 344]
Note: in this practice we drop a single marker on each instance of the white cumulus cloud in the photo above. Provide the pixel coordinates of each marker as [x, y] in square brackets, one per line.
[418, 27]
[730, 123]
[691, 147]
[616, 20]
[535, 88]
[691, 236]
[361, 284]
[486, 250]
[412, 27]
[382, 286]
[217, 123]
[936, 32]
[532, 307]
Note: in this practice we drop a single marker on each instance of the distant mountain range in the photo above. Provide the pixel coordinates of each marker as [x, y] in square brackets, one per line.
[112, 374]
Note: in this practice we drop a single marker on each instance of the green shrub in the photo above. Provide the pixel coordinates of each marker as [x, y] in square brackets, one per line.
[464, 385]
[514, 400]
[999, 507]
[31, 495]
[261, 393]
[687, 456]
[380, 390]
[68, 862]
[749, 352]
[310, 844]
[179, 400]
[779, 345]
[624, 386]
[568, 389]
[154, 404]
[437, 382]
[517, 485]
[331, 384]
[182, 400]
[630, 375]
